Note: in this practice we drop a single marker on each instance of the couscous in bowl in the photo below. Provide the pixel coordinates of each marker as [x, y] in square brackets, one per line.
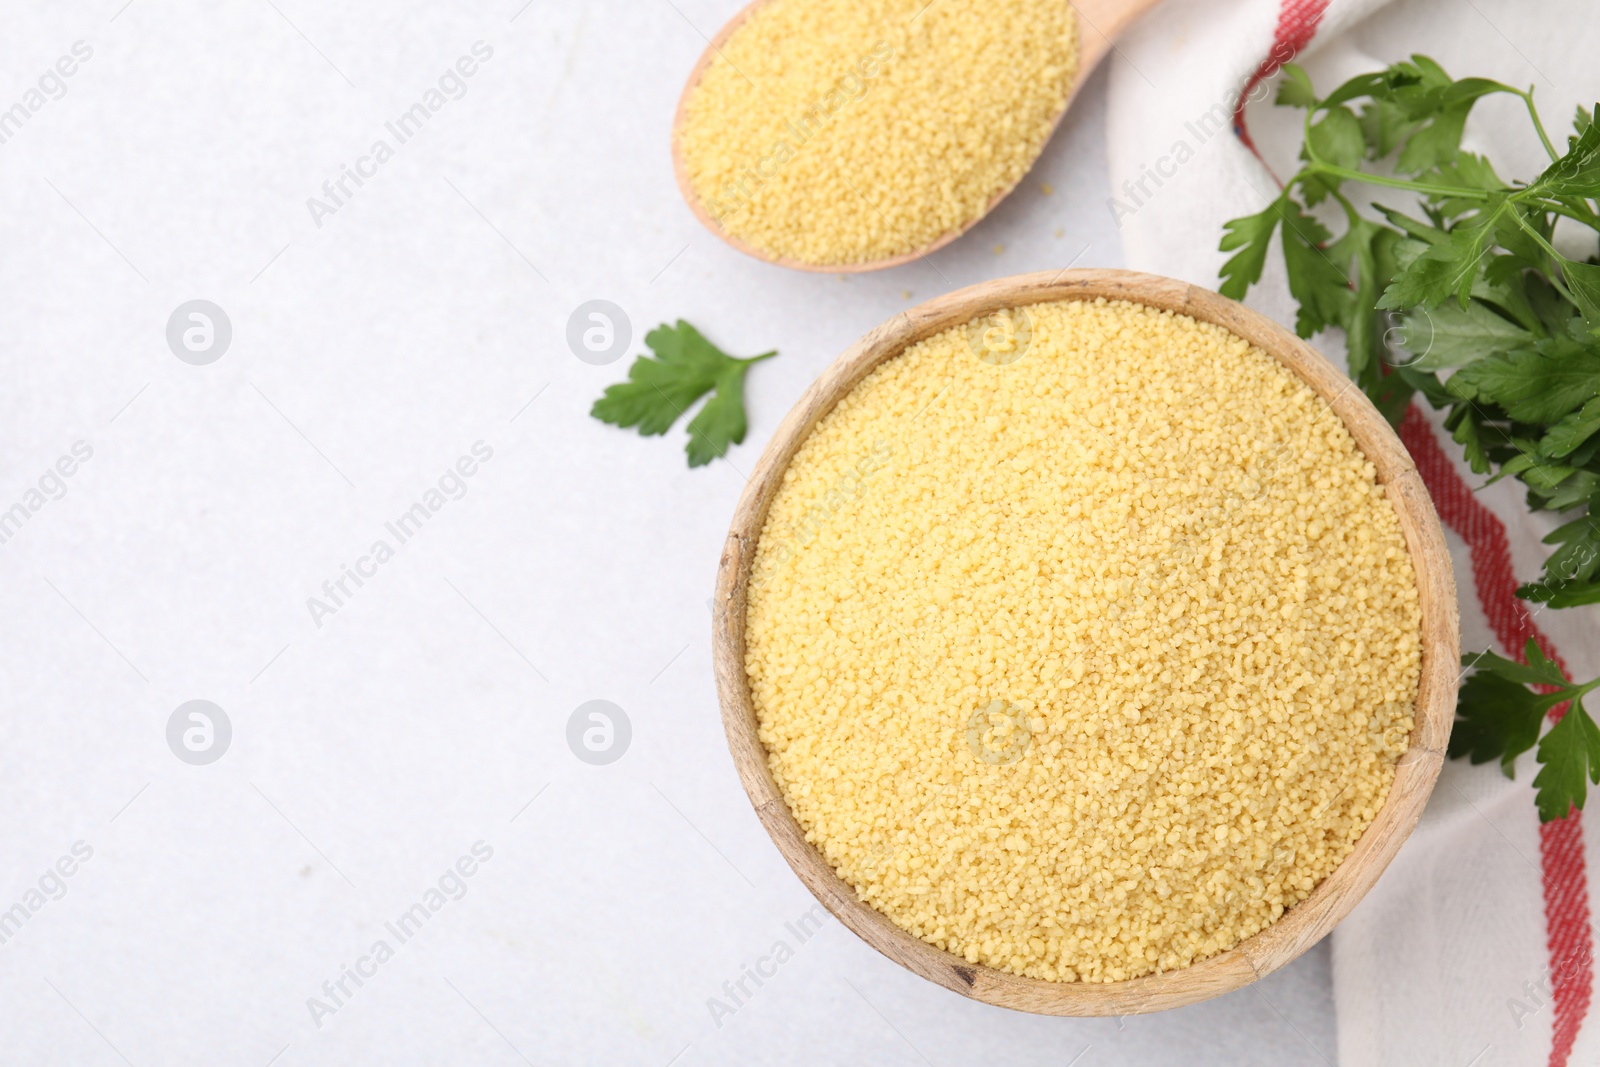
[827, 853]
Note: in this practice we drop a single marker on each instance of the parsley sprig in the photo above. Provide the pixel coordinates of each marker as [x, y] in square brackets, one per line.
[1500, 717]
[1478, 312]
[658, 391]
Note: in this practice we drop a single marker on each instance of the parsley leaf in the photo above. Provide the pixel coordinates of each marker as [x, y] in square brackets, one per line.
[1570, 753]
[1572, 571]
[1583, 280]
[1252, 235]
[1385, 127]
[1537, 668]
[1578, 172]
[658, 391]
[1497, 718]
[1572, 430]
[1337, 138]
[722, 420]
[1447, 268]
[1316, 282]
[1295, 89]
[1538, 384]
[1500, 718]
[1449, 336]
[1561, 594]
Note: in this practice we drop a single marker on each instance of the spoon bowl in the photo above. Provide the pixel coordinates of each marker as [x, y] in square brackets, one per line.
[1100, 23]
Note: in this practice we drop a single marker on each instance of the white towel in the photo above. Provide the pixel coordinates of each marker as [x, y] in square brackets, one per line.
[1476, 947]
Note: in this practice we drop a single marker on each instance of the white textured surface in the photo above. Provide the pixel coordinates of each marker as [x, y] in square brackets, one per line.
[377, 749]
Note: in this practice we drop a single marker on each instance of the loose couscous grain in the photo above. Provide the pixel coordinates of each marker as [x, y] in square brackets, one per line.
[1087, 658]
[842, 131]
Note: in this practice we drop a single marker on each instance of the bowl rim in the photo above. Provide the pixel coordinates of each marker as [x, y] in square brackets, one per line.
[1299, 927]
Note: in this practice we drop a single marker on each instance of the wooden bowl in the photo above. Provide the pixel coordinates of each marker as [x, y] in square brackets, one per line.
[1302, 925]
[1100, 23]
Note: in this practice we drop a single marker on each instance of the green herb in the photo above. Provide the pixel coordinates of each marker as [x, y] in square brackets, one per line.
[1490, 322]
[1500, 717]
[658, 391]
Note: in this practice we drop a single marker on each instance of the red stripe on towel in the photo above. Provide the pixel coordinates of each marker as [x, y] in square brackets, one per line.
[1297, 24]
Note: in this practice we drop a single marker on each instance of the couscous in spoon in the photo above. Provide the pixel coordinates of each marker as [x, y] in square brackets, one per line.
[816, 205]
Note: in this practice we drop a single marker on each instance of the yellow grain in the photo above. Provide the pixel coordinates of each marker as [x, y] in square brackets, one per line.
[1087, 658]
[842, 131]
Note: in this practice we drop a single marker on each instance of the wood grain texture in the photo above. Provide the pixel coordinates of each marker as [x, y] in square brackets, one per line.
[1301, 926]
[1100, 22]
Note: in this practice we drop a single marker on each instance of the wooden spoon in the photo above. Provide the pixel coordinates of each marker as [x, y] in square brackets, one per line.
[1100, 23]
[1302, 925]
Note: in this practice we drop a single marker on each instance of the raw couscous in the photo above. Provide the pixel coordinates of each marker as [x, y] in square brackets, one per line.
[844, 131]
[1082, 640]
